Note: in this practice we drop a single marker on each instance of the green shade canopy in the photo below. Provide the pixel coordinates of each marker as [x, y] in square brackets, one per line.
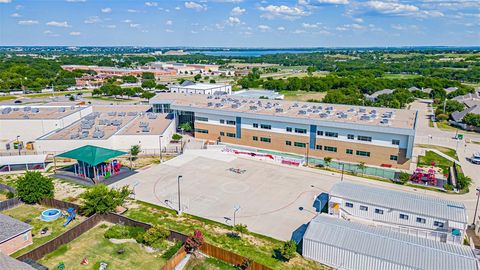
[92, 155]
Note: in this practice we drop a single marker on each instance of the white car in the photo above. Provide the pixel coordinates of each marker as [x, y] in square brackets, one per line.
[475, 159]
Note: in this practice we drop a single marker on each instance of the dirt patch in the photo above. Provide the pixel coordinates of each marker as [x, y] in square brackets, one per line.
[67, 191]
[121, 241]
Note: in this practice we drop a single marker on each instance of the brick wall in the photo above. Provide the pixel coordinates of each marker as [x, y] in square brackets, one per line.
[16, 243]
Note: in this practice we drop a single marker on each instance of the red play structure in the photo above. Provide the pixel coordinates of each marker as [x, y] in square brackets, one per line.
[420, 176]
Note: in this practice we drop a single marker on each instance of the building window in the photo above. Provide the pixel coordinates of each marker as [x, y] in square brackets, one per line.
[265, 126]
[255, 138]
[364, 138]
[300, 144]
[288, 143]
[331, 134]
[231, 122]
[363, 153]
[393, 157]
[421, 220]
[264, 139]
[350, 136]
[363, 208]
[222, 133]
[438, 224]
[403, 216]
[199, 118]
[199, 130]
[330, 148]
[231, 135]
[319, 147]
[222, 121]
[349, 151]
[255, 125]
[289, 129]
[25, 236]
[319, 133]
[378, 211]
[396, 142]
[349, 205]
[300, 130]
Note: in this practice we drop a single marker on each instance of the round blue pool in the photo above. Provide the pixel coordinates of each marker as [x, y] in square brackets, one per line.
[50, 214]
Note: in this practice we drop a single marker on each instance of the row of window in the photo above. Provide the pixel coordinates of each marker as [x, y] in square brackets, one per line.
[262, 126]
[297, 130]
[228, 134]
[262, 139]
[199, 130]
[228, 122]
[401, 216]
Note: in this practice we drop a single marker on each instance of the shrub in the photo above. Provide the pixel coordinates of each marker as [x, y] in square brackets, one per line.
[124, 232]
[442, 117]
[101, 199]
[463, 182]
[33, 187]
[404, 177]
[194, 241]
[155, 236]
[10, 195]
[176, 137]
[289, 250]
[240, 228]
[448, 187]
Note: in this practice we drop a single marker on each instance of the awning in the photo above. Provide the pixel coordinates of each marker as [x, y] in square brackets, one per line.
[92, 155]
[22, 160]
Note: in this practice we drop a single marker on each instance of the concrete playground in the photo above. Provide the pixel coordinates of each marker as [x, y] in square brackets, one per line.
[275, 199]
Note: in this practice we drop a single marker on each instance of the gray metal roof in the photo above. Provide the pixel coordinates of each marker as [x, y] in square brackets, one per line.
[10, 227]
[9, 263]
[403, 201]
[393, 247]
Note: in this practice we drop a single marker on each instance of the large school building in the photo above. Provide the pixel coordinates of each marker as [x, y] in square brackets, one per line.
[376, 136]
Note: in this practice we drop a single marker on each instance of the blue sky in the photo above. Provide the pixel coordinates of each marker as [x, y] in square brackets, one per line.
[241, 23]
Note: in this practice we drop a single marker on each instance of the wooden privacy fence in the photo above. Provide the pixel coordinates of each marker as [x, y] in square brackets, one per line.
[176, 259]
[7, 188]
[7, 204]
[230, 257]
[50, 202]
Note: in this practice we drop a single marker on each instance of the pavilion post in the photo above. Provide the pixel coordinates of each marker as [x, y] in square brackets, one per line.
[54, 165]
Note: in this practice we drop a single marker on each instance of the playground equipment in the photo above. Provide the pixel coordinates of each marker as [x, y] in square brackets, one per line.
[71, 216]
[50, 214]
[419, 175]
[103, 266]
[61, 266]
[84, 261]
[237, 170]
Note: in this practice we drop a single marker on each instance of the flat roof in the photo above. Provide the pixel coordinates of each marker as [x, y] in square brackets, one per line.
[20, 160]
[403, 250]
[156, 126]
[361, 115]
[255, 93]
[202, 86]
[25, 112]
[109, 119]
[403, 201]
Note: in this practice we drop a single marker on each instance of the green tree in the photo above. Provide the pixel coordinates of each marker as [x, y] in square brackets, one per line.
[134, 151]
[33, 187]
[161, 86]
[404, 177]
[101, 199]
[176, 137]
[361, 166]
[148, 76]
[129, 79]
[148, 95]
[197, 77]
[149, 84]
[463, 182]
[187, 127]
[327, 160]
[289, 250]
[311, 69]
[212, 81]
[155, 236]
[472, 119]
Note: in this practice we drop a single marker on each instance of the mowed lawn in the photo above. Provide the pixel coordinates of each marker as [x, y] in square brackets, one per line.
[31, 215]
[207, 263]
[97, 249]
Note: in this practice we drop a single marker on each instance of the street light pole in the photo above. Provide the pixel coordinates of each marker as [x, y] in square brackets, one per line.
[236, 208]
[343, 167]
[18, 145]
[160, 144]
[179, 205]
[308, 147]
[476, 207]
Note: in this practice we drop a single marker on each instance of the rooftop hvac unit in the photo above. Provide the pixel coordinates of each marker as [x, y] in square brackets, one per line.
[362, 110]
[302, 112]
[35, 110]
[235, 106]
[365, 117]
[145, 129]
[132, 113]
[323, 115]
[253, 108]
[218, 105]
[152, 116]
[143, 124]
[384, 121]
[6, 110]
[112, 113]
[61, 109]
[72, 108]
[210, 104]
[122, 113]
[209, 97]
[16, 109]
[27, 109]
[279, 110]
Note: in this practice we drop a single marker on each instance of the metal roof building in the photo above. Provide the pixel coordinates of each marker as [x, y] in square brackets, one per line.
[408, 202]
[347, 245]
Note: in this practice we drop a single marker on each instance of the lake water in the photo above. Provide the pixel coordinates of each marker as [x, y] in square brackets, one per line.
[253, 53]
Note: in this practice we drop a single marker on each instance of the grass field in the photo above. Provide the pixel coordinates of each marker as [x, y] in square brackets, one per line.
[207, 263]
[401, 76]
[446, 127]
[303, 95]
[256, 247]
[56, 94]
[4, 98]
[110, 99]
[447, 151]
[97, 249]
[31, 214]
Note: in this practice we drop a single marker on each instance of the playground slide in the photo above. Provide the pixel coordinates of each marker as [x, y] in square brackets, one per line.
[69, 219]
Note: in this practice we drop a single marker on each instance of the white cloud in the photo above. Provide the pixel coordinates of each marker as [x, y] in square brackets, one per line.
[358, 20]
[334, 2]
[127, 21]
[299, 31]
[237, 11]
[194, 32]
[111, 26]
[5, 1]
[134, 25]
[391, 7]
[75, 33]
[28, 22]
[283, 11]
[177, 8]
[132, 10]
[233, 20]
[106, 10]
[15, 15]
[76, 1]
[169, 30]
[196, 6]
[311, 25]
[151, 4]
[58, 24]
[92, 20]
[281, 28]
[169, 22]
[263, 28]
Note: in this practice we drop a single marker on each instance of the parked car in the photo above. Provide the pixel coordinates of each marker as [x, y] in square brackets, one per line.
[475, 159]
[17, 101]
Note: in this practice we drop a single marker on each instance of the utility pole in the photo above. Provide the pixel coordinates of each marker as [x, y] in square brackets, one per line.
[343, 167]
[306, 159]
[476, 207]
[160, 144]
[236, 208]
[179, 204]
